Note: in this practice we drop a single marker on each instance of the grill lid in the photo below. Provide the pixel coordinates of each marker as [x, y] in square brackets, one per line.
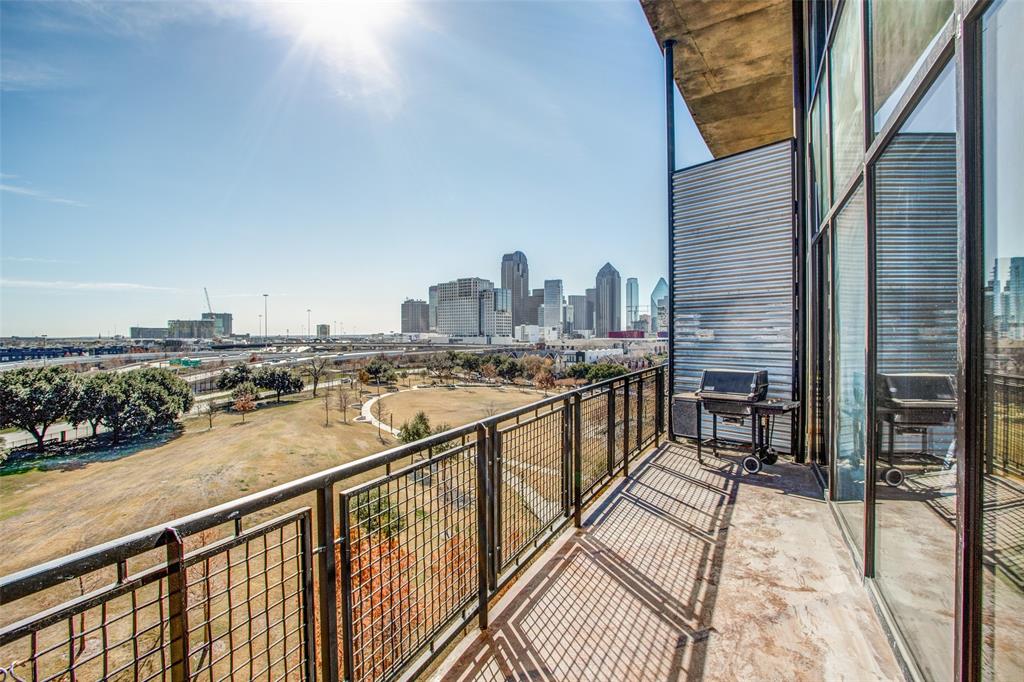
[734, 384]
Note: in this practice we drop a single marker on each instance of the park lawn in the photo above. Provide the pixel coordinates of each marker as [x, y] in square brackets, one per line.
[454, 407]
[46, 514]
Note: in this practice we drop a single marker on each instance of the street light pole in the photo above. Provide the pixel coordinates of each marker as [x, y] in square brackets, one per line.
[309, 327]
[266, 317]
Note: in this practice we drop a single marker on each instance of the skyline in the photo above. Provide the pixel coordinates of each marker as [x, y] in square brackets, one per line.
[326, 171]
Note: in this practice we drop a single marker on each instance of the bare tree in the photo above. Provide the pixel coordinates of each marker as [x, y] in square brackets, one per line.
[316, 369]
[327, 405]
[209, 412]
[490, 408]
[343, 404]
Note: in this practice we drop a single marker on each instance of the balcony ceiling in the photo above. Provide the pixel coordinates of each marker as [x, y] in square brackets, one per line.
[733, 65]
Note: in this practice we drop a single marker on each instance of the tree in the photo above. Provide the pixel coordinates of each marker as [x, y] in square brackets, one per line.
[88, 407]
[244, 396]
[343, 403]
[605, 370]
[209, 412]
[544, 379]
[316, 369]
[164, 395]
[440, 365]
[380, 371]
[509, 368]
[277, 379]
[233, 377]
[34, 398]
[532, 364]
[580, 370]
[489, 371]
[416, 429]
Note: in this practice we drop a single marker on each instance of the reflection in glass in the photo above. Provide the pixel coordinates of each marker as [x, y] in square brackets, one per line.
[901, 34]
[850, 319]
[847, 90]
[821, 185]
[1003, 475]
[916, 271]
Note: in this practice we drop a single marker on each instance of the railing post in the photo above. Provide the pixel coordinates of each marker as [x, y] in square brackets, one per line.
[639, 413]
[625, 428]
[577, 460]
[611, 429]
[567, 468]
[659, 420]
[494, 507]
[177, 606]
[348, 633]
[328, 603]
[482, 497]
[308, 630]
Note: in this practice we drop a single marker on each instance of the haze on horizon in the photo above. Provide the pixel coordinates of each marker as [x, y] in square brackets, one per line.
[338, 156]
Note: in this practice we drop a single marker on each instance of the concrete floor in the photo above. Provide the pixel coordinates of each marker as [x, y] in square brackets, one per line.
[688, 572]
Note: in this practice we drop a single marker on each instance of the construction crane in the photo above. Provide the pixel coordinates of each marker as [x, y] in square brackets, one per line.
[207, 294]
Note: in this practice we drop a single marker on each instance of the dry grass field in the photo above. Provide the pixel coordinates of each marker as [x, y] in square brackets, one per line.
[45, 514]
[455, 406]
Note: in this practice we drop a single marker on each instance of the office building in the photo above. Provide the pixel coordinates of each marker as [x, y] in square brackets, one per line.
[532, 308]
[432, 313]
[323, 331]
[591, 319]
[148, 332]
[580, 319]
[415, 316]
[472, 307]
[552, 303]
[496, 312]
[221, 323]
[191, 329]
[515, 276]
[659, 292]
[608, 317]
[632, 301]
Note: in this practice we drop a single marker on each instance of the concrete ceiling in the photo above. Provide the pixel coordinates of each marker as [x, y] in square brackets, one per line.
[733, 66]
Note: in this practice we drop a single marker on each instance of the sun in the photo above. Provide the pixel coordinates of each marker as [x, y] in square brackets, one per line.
[353, 26]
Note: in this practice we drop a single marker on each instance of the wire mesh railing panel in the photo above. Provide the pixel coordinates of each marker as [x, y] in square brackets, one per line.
[619, 426]
[409, 569]
[1005, 422]
[249, 611]
[236, 611]
[594, 439]
[532, 478]
[649, 421]
[118, 632]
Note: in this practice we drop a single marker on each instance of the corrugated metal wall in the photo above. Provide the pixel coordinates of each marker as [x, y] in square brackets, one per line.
[916, 270]
[734, 289]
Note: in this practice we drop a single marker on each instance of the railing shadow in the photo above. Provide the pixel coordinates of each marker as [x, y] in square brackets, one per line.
[630, 596]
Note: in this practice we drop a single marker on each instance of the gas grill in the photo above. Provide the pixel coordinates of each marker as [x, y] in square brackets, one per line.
[912, 403]
[734, 396]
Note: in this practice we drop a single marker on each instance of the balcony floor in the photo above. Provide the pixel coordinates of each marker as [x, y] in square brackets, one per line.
[688, 572]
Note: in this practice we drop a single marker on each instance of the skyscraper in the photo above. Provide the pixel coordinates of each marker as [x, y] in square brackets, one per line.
[531, 308]
[471, 306]
[591, 316]
[580, 320]
[632, 301]
[609, 301]
[515, 276]
[415, 316]
[432, 312]
[552, 303]
[660, 291]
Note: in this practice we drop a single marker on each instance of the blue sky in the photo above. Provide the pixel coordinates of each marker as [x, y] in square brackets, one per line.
[339, 158]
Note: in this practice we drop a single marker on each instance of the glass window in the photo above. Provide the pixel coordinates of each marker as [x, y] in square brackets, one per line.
[901, 34]
[916, 271]
[849, 313]
[847, 89]
[1003, 474]
[819, 171]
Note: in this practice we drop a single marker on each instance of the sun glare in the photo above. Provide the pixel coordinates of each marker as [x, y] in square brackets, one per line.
[349, 25]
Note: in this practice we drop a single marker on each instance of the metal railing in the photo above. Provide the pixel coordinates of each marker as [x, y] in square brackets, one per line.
[365, 571]
[1004, 423]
